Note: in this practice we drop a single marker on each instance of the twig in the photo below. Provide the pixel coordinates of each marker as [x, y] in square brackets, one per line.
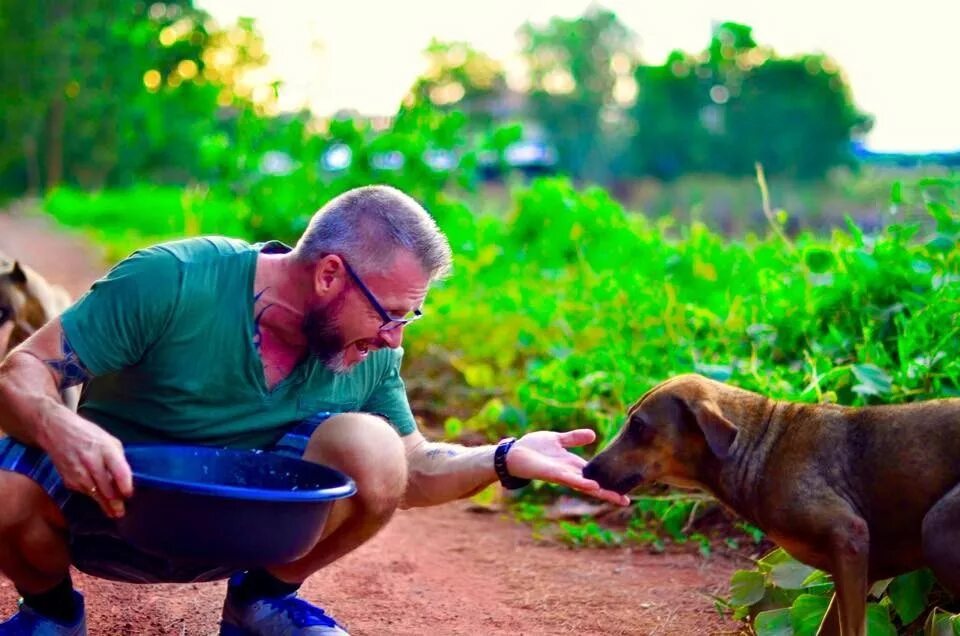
[765, 198]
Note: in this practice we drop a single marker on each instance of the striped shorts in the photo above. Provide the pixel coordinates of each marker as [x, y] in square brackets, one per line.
[95, 545]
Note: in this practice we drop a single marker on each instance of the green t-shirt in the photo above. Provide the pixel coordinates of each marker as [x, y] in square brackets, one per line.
[168, 336]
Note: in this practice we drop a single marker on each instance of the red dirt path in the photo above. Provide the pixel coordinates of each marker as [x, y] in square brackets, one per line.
[436, 571]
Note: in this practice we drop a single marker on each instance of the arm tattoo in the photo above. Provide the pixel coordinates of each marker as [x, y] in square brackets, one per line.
[257, 335]
[433, 453]
[69, 367]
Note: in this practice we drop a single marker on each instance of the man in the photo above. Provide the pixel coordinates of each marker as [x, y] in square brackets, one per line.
[218, 342]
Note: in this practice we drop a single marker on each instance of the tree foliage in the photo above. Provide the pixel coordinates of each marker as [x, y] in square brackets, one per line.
[97, 93]
[736, 104]
[579, 75]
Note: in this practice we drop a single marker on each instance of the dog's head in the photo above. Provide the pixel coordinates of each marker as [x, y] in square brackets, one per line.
[668, 436]
[14, 302]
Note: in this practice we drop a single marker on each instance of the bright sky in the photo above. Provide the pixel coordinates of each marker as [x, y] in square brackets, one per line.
[902, 58]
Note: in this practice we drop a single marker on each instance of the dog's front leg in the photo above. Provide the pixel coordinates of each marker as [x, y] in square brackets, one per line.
[851, 557]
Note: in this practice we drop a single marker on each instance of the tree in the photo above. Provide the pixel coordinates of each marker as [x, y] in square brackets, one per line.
[580, 78]
[735, 104]
[460, 77]
[96, 93]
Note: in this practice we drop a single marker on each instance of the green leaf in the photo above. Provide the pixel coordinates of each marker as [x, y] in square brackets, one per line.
[479, 375]
[453, 427]
[873, 380]
[946, 218]
[773, 558]
[790, 575]
[855, 232]
[879, 588]
[746, 587]
[896, 193]
[941, 243]
[908, 593]
[867, 261]
[942, 623]
[773, 623]
[807, 613]
[819, 260]
[878, 621]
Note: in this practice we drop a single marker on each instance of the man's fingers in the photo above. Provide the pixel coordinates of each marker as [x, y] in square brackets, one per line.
[576, 462]
[578, 437]
[105, 504]
[575, 480]
[119, 469]
[592, 488]
[100, 476]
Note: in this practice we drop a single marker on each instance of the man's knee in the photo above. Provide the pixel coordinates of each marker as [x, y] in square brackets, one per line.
[32, 527]
[370, 451]
[24, 501]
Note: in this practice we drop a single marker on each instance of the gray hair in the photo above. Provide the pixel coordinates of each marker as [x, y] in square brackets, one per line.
[369, 225]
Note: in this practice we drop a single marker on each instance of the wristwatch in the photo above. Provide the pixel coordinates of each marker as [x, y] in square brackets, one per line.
[507, 480]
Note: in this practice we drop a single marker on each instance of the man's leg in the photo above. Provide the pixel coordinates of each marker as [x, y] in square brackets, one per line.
[33, 540]
[34, 555]
[366, 448]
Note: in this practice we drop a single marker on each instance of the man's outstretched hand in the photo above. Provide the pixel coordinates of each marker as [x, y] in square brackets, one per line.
[543, 455]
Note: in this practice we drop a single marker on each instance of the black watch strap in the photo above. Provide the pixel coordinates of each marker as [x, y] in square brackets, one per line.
[507, 480]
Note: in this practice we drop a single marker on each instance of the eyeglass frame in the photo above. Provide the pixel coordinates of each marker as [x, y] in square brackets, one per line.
[389, 322]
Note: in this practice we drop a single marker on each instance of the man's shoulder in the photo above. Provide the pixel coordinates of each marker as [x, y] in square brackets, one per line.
[202, 248]
[386, 359]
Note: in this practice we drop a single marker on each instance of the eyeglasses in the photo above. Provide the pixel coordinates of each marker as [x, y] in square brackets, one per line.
[389, 322]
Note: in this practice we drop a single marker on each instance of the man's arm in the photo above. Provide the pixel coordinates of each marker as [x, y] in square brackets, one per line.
[440, 472]
[89, 459]
[31, 379]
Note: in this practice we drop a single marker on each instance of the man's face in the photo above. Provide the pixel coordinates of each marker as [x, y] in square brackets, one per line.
[343, 331]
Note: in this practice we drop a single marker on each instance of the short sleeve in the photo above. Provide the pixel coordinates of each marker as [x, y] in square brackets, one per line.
[389, 397]
[115, 323]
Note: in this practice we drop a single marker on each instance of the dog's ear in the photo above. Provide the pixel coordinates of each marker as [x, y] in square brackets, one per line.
[17, 275]
[717, 429]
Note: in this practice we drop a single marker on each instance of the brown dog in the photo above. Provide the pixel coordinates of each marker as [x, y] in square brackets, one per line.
[27, 302]
[862, 493]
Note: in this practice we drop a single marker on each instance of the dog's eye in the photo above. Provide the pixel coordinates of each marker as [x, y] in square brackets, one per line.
[639, 426]
[5, 314]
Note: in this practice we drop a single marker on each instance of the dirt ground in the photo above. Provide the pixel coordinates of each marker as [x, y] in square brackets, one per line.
[436, 571]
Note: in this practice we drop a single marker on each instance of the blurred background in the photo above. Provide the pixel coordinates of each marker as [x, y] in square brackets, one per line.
[653, 102]
[762, 192]
[631, 189]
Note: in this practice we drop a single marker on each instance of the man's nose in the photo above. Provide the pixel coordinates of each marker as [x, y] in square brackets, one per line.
[393, 337]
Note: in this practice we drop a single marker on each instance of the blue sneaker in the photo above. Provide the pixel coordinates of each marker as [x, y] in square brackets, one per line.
[283, 616]
[28, 622]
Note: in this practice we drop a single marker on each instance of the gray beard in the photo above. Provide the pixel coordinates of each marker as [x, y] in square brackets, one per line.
[338, 364]
[324, 339]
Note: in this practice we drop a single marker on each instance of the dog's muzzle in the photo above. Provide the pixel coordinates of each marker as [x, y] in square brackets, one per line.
[621, 484]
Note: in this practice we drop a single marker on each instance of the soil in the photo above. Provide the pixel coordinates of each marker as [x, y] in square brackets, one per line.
[446, 570]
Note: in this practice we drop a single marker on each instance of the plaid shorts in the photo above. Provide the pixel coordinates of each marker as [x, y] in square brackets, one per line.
[95, 544]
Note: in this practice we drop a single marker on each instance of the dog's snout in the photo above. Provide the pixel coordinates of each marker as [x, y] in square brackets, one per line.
[590, 471]
[595, 470]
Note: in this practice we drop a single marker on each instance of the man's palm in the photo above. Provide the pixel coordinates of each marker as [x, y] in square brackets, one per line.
[543, 455]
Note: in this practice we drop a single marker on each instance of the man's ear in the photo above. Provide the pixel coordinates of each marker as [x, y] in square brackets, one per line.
[328, 273]
[717, 429]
